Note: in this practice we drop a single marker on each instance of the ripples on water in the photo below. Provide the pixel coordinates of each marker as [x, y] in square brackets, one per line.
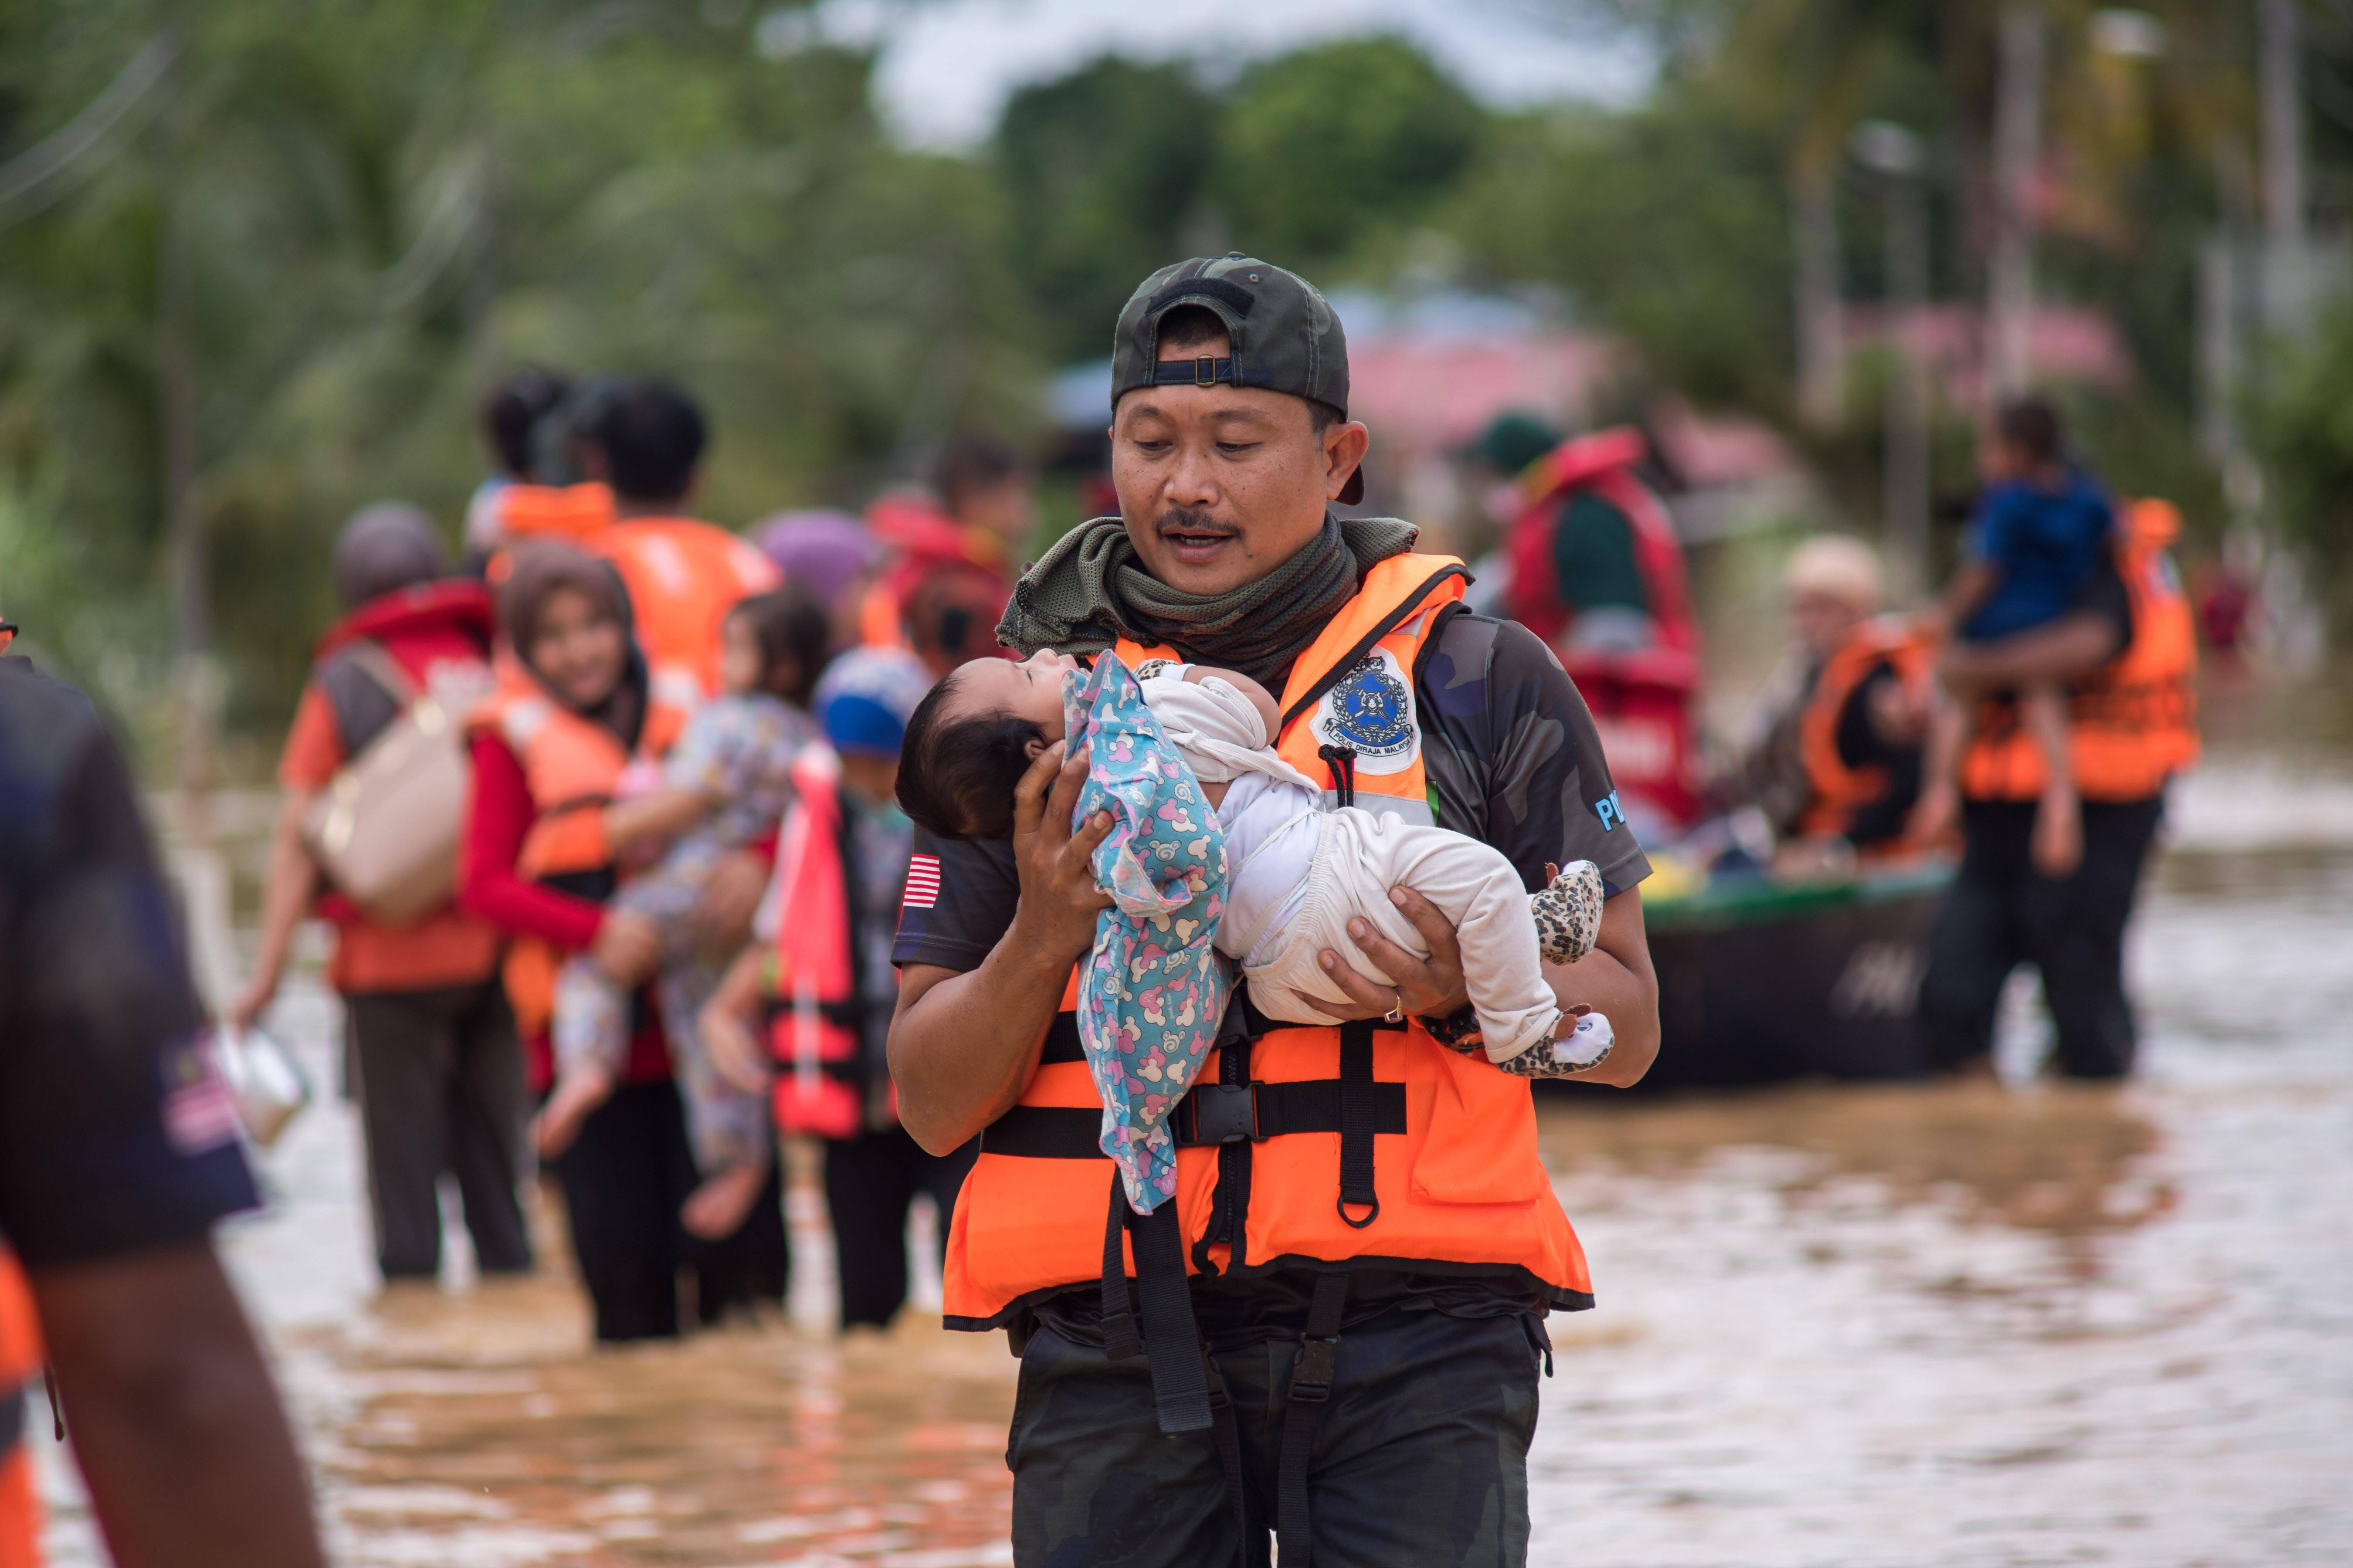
[1960, 1324]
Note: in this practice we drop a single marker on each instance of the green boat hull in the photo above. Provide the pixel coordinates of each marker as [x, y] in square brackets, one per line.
[1761, 983]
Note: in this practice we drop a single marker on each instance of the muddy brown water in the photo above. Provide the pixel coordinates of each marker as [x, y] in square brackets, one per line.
[1978, 1323]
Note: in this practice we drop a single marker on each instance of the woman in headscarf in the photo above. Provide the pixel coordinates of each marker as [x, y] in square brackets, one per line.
[432, 1053]
[574, 710]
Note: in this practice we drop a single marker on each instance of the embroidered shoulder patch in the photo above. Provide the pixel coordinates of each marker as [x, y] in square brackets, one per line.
[1370, 711]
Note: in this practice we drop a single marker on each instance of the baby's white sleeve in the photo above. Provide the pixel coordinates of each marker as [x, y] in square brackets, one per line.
[1209, 722]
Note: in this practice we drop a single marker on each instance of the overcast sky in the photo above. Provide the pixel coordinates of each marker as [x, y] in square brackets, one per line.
[947, 66]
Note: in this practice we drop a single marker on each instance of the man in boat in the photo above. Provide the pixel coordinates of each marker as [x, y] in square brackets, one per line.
[1596, 570]
[118, 1151]
[1836, 760]
[1371, 1240]
[2130, 651]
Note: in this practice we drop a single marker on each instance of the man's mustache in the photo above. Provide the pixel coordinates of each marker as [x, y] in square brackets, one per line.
[1189, 519]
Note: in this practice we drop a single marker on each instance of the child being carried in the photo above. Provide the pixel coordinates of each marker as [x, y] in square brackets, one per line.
[1298, 873]
[724, 785]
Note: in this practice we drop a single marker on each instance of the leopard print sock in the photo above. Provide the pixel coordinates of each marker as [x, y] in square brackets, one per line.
[1568, 913]
[1536, 1061]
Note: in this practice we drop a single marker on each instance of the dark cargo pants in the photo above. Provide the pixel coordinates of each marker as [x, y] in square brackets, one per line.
[1421, 1458]
[2001, 913]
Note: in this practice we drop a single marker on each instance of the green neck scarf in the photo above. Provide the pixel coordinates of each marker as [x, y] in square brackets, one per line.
[1092, 589]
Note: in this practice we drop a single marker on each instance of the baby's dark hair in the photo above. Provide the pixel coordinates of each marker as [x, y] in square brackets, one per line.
[795, 637]
[956, 775]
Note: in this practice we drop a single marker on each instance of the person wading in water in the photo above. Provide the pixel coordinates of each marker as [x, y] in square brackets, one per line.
[1371, 1240]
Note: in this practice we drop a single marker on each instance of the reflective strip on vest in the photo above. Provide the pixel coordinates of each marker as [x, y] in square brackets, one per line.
[1462, 1189]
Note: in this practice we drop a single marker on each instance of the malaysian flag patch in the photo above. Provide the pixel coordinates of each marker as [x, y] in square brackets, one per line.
[922, 882]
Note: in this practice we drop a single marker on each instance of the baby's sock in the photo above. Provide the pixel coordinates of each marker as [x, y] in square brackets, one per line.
[1568, 912]
[1581, 1045]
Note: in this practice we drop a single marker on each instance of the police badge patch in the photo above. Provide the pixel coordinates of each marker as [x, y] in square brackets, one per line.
[1371, 712]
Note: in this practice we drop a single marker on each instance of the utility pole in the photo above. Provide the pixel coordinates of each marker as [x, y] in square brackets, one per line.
[195, 684]
[2288, 282]
[1821, 319]
[1896, 155]
[2017, 153]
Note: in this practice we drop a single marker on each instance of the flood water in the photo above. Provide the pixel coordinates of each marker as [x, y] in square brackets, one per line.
[1962, 1324]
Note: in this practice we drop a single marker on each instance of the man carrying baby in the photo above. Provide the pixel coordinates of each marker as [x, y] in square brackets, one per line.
[1363, 1242]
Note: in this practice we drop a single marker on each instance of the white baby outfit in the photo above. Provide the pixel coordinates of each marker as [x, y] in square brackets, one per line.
[1299, 873]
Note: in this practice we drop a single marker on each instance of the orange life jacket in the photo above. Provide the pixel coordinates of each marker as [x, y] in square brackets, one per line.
[553, 511]
[817, 1029]
[683, 577]
[572, 766]
[1602, 463]
[1368, 1145]
[1840, 791]
[20, 1365]
[2133, 722]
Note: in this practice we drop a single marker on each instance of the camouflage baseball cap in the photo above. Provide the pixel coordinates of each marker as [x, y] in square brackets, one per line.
[1282, 333]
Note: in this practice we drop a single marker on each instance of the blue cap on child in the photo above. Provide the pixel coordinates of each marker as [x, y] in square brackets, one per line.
[866, 697]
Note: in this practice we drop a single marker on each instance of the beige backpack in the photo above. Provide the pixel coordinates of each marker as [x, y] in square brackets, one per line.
[385, 831]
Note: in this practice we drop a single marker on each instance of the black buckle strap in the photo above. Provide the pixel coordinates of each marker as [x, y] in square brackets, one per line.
[1062, 1042]
[1229, 1200]
[1278, 1109]
[1226, 1430]
[1313, 1371]
[1359, 1119]
[1180, 1388]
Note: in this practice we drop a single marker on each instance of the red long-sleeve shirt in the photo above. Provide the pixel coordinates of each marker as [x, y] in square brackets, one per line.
[490, 885]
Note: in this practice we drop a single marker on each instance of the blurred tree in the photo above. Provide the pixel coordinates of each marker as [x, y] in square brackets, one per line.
[1321, 148]
[1104, 172]
[385, 203]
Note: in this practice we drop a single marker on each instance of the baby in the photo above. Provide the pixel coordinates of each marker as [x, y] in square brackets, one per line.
[1298, 873]
[724, 785]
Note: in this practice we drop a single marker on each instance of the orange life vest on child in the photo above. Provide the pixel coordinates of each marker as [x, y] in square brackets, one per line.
[1840, 791]
[572, 766]
[2133, 722]
[1318, 1148]
[816, 1032]
[20, 1367]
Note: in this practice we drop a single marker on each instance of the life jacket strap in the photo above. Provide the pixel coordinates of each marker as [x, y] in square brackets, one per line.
[1171, 1340]
[1314, 1370]
[13, 1407]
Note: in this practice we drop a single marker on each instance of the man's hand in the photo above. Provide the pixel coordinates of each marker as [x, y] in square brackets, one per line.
[1060, 900]
[1429, 988]
[963, 1046]
[627, 948]
[730, 897]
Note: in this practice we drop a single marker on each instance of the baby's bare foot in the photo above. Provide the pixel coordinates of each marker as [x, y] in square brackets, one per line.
[717, 1209]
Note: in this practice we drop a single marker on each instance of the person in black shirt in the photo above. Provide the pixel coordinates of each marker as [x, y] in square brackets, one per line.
[118, 1150]
[1230, 444]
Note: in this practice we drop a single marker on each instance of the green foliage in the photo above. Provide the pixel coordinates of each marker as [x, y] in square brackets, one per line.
[1667, 224]
[1322, 147]
[1104, 172]
[387, 205]
[2303, 431]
